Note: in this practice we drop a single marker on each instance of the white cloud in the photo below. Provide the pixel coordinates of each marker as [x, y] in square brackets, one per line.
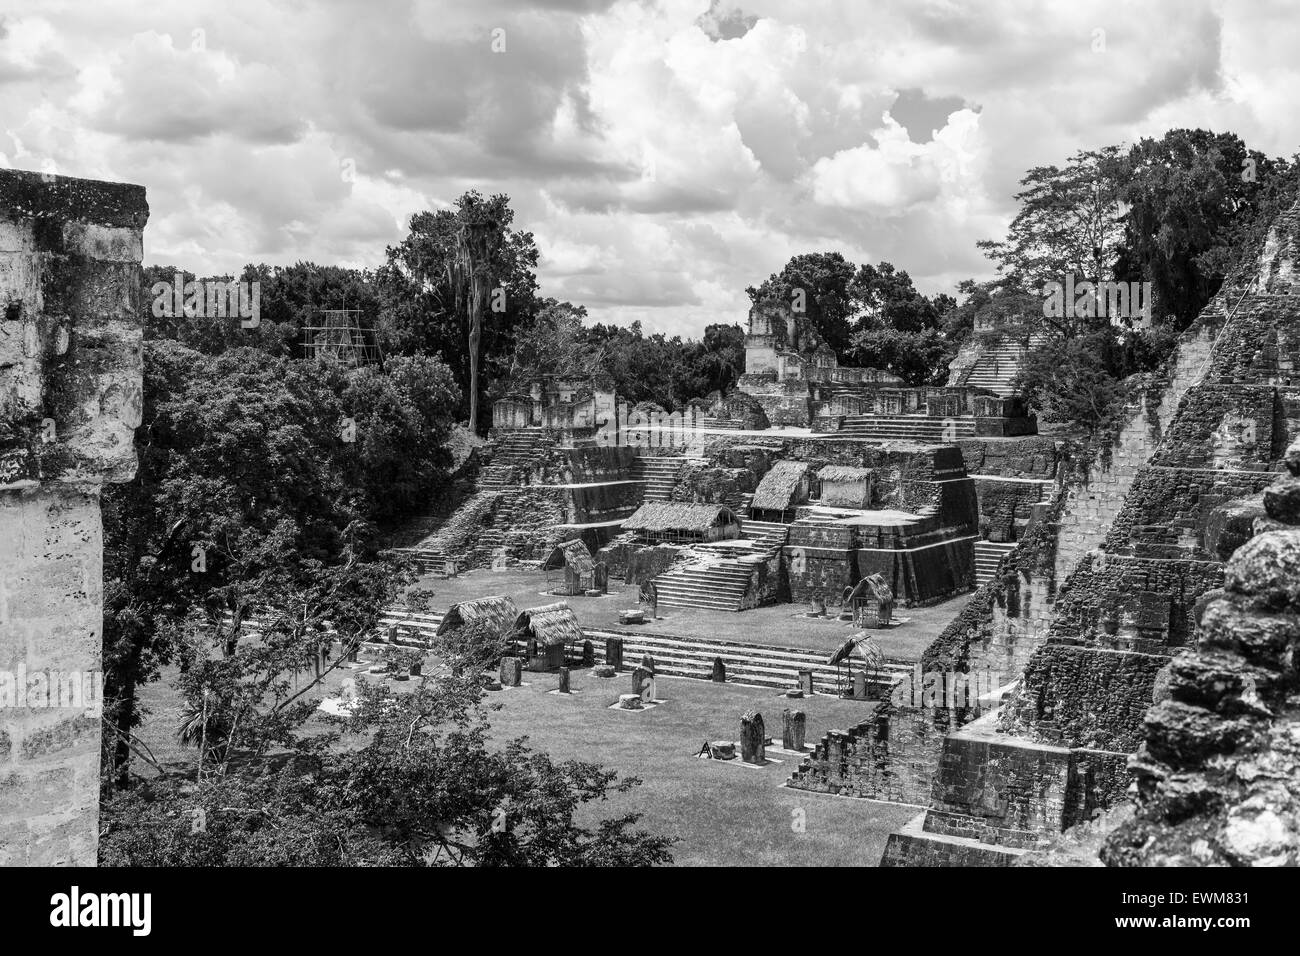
[665, 155]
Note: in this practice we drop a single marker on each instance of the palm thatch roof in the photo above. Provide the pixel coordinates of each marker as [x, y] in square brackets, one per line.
[678, 516]
[864, 647]
[499, 610]
[777, 489]
[549, 625]
[843, 473]
[572, 554]
[873, 585]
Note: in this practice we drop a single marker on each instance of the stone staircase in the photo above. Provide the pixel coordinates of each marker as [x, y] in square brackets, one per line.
[513, 450]
[997, 368]
[767, 536]
[659, 474]
[718, 585]
[718, 580]
[987, 556]
[751, 664]
[918, 428]
[427, 560]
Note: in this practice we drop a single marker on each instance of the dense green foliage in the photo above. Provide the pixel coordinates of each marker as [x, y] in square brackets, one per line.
[416, 783]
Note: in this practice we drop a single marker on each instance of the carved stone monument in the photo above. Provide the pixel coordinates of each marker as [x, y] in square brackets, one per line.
[753, 738]
[793, 724]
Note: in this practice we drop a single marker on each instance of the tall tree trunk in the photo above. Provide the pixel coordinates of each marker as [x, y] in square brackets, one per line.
[475, 337]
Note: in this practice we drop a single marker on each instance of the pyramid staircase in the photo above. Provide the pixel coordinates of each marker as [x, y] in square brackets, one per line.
[660, 475]
[718, 580]
[514, 449]
[918, 428]
[718, 585]
[988, 554]
[767, 536]
[996, 368]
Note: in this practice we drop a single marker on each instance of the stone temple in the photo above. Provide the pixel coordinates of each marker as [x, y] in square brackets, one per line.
[817, 476]
[1092, 586]
[1102, 595]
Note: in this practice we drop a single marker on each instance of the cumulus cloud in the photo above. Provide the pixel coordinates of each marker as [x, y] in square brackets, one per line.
[665, 155]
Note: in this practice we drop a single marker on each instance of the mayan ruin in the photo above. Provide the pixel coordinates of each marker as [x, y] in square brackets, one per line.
[644, 435]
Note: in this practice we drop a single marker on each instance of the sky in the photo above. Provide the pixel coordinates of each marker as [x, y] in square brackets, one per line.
[664, 155]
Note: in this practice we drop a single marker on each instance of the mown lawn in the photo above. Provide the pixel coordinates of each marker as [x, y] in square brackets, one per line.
[724, 813]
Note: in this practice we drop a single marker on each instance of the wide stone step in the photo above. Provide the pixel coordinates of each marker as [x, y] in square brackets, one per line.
[697, 584]
[728, 651]
[759, 665]
[707, 573]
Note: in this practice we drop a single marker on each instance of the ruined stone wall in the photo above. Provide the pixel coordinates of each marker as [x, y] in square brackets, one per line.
[890, 756]
[70, 399]
[1123, 611]
[1137, 594]
[1218, 771]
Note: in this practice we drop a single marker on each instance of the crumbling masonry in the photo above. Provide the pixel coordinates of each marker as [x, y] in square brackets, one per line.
[70, 399]
[1136, 546]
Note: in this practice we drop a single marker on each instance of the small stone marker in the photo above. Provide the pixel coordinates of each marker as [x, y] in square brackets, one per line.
[793, 723]
[588, 654]
[603, 670]
[718, 750]
[806, 681]
[860, 685]
[512, 671]
[629, 701]
[719, 671]
[752, 738]
[614, 652]
[564, 681]
[643, 683]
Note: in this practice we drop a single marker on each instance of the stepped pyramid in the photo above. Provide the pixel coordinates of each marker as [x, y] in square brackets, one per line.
[1134, 548]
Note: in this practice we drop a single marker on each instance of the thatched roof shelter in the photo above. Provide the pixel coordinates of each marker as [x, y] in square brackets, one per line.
[550, 625]
[862, 646]
[677, 516]
[572, 555]
[683, 520]
[872, 601]
[781, 486]
[872, 586]
[499, 610]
